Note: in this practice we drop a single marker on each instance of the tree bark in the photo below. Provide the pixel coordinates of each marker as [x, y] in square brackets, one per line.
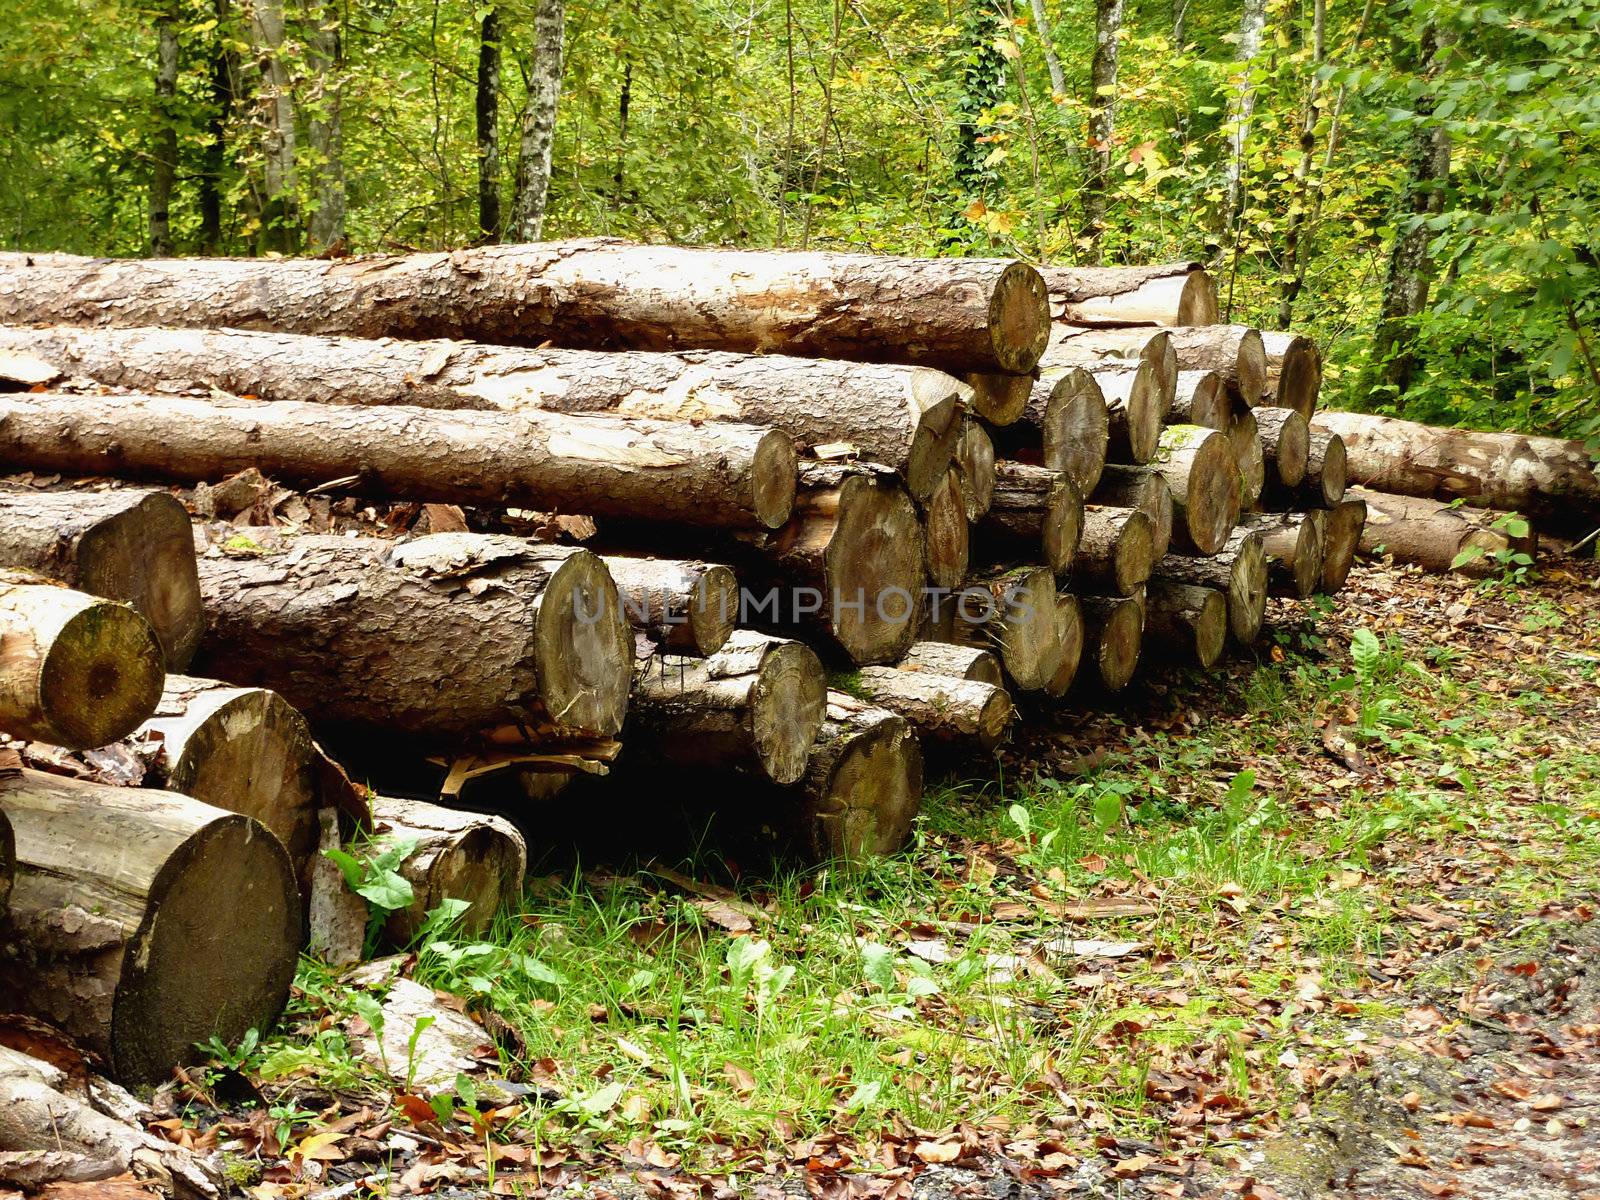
[1064, 424]
[863, 784]
[1203, 476]
[1292, 544]
[1239, 571]
[1113, 636]
[722, 475]
[974, 460]
[1432, 534]
[1187, 622]
[955, 662]
[1249, 456]
[1144, 489]
[1015, 613]
[1094, 347]
[1052, 63]
[1236, 352]
[1293, 372]
[1549, 479]
[755, 705]
[907, 418]
[1340, 538]
[1169, 294]
[956, 314]
[457, 856]
[144, 922]
[1252, 22]
[1115, 553]
[1102, 106]
[77, 671]
[223, 72]
[1325, 477]
[164, 154]
[1069, 645]
[1037, 515]
[325, 124]
[1285, 444]
[960, 711]
[683, 606]
[126, 544]
[445, 636]
[1201, 398]
[280, 206]
[539, 122]
[486, 110]
[946, 538]
[1294, 247]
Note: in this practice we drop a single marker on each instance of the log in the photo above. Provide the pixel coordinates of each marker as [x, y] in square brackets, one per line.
[1293, 372]
[1292, 543]
[77, 671]
[1065, 425]
[1249, 456]
[1233, 351]
[974, 461]
[724, 476]
[1166, 294]
[1113, 632]
[1069, 636]
[1203, 478]
[863, 784]
[1037, 516]
[1136, 407]
[444, 636]
[1547, 479]
[128, 544]
[1015, 613]
[1325, 477]
[956, 662]
[680, 604]
[594, 293]
[1433, 534]
[1187, 622]
[143, 922]
[907, 418]
[959, 711]
[1285, 444]
[1238, 570]
[1073, 346]
[755, 705]
[1144, 489]
[946, 535]
[1340, 537]
[1201, 398]
[1116, 551]
[999, 399]
[456, 856]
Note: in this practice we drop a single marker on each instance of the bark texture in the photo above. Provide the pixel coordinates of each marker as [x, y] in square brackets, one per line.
[1037, 515]
[956, 662]
[1239, 571]
[1117, 550]
[539, 121]
[941, 707]
[681, 605]
[1166, 294]
[466, 856]
[1102, 105]
[946, 534]
[863, 785]
[1433, 535]
[1144, 489]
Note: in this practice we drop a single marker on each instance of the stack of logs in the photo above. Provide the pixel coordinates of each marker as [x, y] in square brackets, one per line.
[833, 509]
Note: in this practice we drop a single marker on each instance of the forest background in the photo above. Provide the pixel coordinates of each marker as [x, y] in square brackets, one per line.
[1415, 183]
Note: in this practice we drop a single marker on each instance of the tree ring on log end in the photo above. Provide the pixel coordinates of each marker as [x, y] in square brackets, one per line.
[1197, 303]
[1028, 637]
[873, 570]
[1076, 429]
[947, 535]
[1069, 644]
[1135, 552]
[583, 648]
[713, 609]
[1250, 366]
[1300, 377]
[145, 556]
[101, 676]
[1162, 357]
[933, 446]
[1117, 648]
[1019, 318]
[1334, 472]
[1211, 503]
[872, 795]
[1063, 526]
[774, 478]
[1146, 410]
[787, 703]
[1247, 589]
[1210, 628]
[1294, 446]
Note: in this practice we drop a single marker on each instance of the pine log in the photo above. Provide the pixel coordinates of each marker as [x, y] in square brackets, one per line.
[732, 476]
[1072, 346]
[1069, 650]
[1292, 543]
[974, 462]
[143, 922]
[755, 705]
[946, 534]
[1238, 570]
[954, 313]
[1015, 613]
[1065, 426]
[444, 636]
[999, 399]
[1548, 479]
[1187, 622]
[1285, 444]
[1233, 351]
[1137, 403]
[1293, 372]
[1249, 456]
[957, 662]
[1201, 398]
[1113, 634]
[1203, 477]
[1167, 294]
[1037, 515]
[1116, 551]
[907, 418]
[1144, 489]
[681, 605]
[77, 671]
[1325, 478]
[1432, 534]
[863, 785]
[960, 711]
[456, 856]
[130, 545]
[1340, 538]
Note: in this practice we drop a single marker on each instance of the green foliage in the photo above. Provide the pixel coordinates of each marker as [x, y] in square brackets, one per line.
[372, 872]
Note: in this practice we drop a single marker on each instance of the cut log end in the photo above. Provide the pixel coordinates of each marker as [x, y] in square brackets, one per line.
[1249, 457]
[999, 399]
[1247, 590]
[946, 532]
[772, 478]
[1340, 538]
[1069, 647]
[1024, 603]
[685, 606]
[1019, 318]
[864, 786]
[1188, 621]
[1197, 304]
[942, 707]
[713, 607]
[1331, 471]
[1074, 427]
[938, 433]
[583, 647]
[1251, 365]
[1299, 377]
[1202, 399]
[975, 468]
[786, 705]
[456, 856]
[1293, 548]
[1202, 474]
[1285, 444]
[1115, 633]
[874, 567]
[1136, 405]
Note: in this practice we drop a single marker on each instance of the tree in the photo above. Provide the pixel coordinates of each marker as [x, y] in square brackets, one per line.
[486, 112]
[275, 120]
[325, 123]
[164, 154]
[1102, 123]
[1252, 23]
[539, 121]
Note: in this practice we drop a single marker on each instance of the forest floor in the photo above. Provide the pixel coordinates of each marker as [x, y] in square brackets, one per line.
[1321, 920]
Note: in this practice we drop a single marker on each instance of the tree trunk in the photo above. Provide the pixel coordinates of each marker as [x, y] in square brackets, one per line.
[1115, 553]
[863, 784]
[1325, 477]
[738, 476]
[1294, 249]
[1136, 407]
[1187, 622]
[1064, 424]
[1252, 22]
[325, 124]
[539, 122]
[907, 418]
[1285, 444]
[486, 109]
[1169, 294]
[1236, 352]
[1292, 543]
[144, 922]
[127, 544]
[959, 711]
[1069, 645]
[1239, 571]
[1015, 613]
[1201, 398]
[1340, 538]
[444, 636]
[77, 671]
[946, 538]
[956, 314]
[1203, 477]
[955, 662]
[1093, 347]
[164, 153]
[8, 864]
[223, 70]
[1549, 479]
[1432, 534]
[1102, 105]
[681, 605]
[280, 207]
[755, 705]
[1037, 516]
[457, 856]
[1052, 63]
[1113, 632]
[1293, 372]
[1249, 456]
[974, 460]
[1144, 489]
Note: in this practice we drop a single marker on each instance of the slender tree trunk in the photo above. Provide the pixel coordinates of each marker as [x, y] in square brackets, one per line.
[1180, 19]
[165, 168]
[1102, 123]
[1052, 63]
[325, 125]
[224, 72]
[1293, 249]
[1252, 23]
[539, 122]
[280, 219]
[488, 114]
[624, 102]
